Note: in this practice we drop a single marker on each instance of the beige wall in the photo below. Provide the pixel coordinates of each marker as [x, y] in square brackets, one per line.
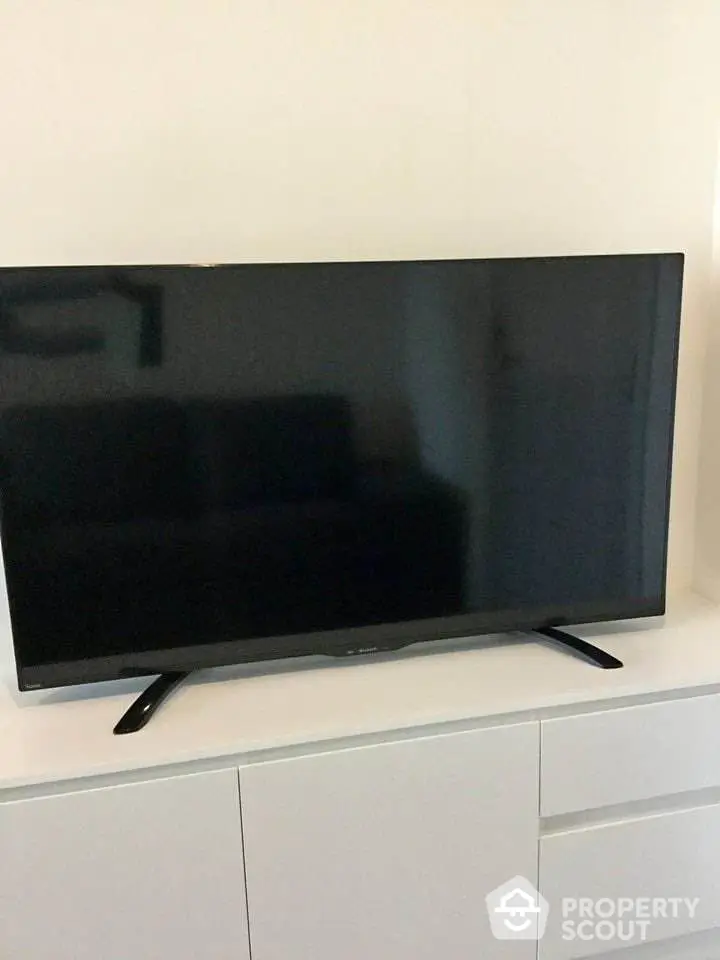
[178, 130]
[707, 568]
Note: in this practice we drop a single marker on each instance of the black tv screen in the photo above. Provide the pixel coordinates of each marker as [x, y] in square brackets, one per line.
[202, 465]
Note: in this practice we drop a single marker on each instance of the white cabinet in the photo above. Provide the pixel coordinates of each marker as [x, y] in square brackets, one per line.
[387, 851]
[669, 860]
[384, 851]
[704, 946]
[145, 871]
[634, 753]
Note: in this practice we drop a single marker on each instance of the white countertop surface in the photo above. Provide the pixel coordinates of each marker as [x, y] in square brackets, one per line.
[62, 735]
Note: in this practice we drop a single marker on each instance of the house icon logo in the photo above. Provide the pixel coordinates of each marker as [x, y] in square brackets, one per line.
[517, 911]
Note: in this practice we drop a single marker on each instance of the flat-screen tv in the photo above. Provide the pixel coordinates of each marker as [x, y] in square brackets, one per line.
[209, 464]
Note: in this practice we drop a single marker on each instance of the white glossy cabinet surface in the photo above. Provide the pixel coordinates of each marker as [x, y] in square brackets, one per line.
[144, 871]
[634, 753]
[703, 946]
[672, 855]
[386, 852]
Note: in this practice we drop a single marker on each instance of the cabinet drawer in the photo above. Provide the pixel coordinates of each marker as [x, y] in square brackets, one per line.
[657, 858]
[633, 753]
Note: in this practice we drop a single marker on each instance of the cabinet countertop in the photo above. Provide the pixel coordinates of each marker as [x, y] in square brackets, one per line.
[62, 735]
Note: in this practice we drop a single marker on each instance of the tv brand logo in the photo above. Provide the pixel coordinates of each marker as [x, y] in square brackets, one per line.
[517, 911]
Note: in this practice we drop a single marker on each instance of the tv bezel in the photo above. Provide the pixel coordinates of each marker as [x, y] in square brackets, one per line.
[371, 639]
[350, 642]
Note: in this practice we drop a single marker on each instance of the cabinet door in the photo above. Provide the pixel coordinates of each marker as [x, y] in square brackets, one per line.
[146, 871]
[388, 851]
[703, 946]
[649, 859]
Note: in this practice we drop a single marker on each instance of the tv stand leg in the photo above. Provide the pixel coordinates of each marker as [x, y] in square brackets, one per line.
[140, 711]
[588, 651]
